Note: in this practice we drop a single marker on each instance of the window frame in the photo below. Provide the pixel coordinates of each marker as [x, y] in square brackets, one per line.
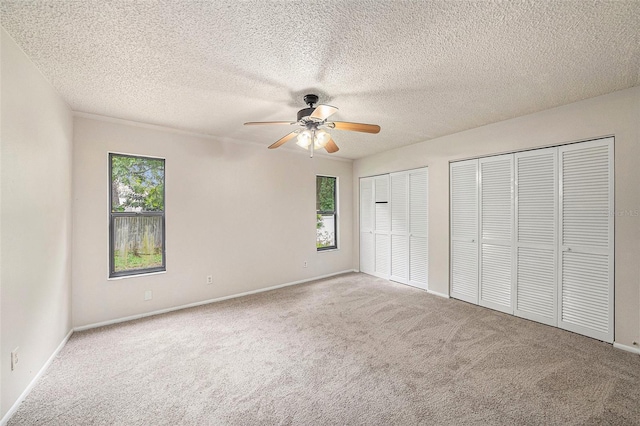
[113, 215]
[333, 212]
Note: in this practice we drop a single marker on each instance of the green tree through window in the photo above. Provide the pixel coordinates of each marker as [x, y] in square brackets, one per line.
[326, 213]
[136, 215]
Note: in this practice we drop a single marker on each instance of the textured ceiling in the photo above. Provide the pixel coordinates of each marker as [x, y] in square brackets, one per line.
[418, 69]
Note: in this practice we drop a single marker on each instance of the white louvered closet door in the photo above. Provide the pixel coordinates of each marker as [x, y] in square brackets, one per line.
[399, 232]
[367, 252]
[496, 224]
[535, 228]
[382, 238]
[586, 239]
[463, 178]
[419, 228]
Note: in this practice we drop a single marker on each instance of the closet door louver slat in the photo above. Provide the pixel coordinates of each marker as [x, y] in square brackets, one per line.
[399, 258]
[382, 255]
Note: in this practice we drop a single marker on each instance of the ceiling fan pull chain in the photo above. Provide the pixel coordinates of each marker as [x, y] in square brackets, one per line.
[313, 142]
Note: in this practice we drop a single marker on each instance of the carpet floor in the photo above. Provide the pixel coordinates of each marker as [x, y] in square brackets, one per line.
[351, 349]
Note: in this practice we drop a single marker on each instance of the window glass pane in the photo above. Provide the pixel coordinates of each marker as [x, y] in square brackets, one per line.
[325, 193]
[137, 242]
[137, 184]
[325, 212]
[326, 231]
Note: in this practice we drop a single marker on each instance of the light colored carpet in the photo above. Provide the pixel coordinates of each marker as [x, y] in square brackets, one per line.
[352, 349]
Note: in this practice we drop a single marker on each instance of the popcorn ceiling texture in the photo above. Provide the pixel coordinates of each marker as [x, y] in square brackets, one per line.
[419, 69]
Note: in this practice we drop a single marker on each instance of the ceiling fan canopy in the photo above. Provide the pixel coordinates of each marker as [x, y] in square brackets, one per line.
[313, 122]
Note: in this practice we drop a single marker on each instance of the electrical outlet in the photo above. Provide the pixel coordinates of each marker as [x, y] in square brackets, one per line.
[14, 359]
[305, 264]
[209, 279]
[148, 295]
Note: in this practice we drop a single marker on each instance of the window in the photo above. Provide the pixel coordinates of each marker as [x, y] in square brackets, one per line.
[326, 213]
[136, 215]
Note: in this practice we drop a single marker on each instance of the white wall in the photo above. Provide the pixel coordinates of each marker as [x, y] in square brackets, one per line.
[35, 241]
[615, 114]
[242, 213]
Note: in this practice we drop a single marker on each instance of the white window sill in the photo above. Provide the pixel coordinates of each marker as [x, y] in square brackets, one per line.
[124, 277]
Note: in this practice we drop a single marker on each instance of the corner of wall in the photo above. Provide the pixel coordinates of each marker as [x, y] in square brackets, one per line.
[35, 195]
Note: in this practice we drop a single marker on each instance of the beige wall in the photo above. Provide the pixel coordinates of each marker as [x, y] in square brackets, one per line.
[36, 220]
[615, 114]
[242, 213]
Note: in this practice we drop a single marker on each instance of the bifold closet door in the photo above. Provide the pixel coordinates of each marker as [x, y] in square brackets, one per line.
[367, 252]
[586, 238]
[496, 224]
[463, 178]
[399, 233]
[535, 229]
[419, 228]
[382, 239]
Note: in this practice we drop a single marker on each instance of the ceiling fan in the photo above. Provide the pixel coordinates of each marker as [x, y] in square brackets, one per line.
[313, 122]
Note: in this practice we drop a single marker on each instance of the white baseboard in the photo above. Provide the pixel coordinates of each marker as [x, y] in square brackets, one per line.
[626, 348]
[204, 302]
[33, 382]
[435, 293]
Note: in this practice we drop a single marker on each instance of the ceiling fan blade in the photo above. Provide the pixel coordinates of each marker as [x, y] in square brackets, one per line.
[355, 127]
[322, 112]
[282, 140]
[331, 146]
[257, 123]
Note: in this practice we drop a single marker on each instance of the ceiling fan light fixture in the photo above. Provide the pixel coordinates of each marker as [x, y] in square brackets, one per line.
[322, 139]
[304, 139]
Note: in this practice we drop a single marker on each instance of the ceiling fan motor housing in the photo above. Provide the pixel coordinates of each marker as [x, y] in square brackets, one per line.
[310, 100]
[306, 112]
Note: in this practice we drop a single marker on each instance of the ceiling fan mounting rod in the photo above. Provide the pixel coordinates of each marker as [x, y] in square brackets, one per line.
[310, 99]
